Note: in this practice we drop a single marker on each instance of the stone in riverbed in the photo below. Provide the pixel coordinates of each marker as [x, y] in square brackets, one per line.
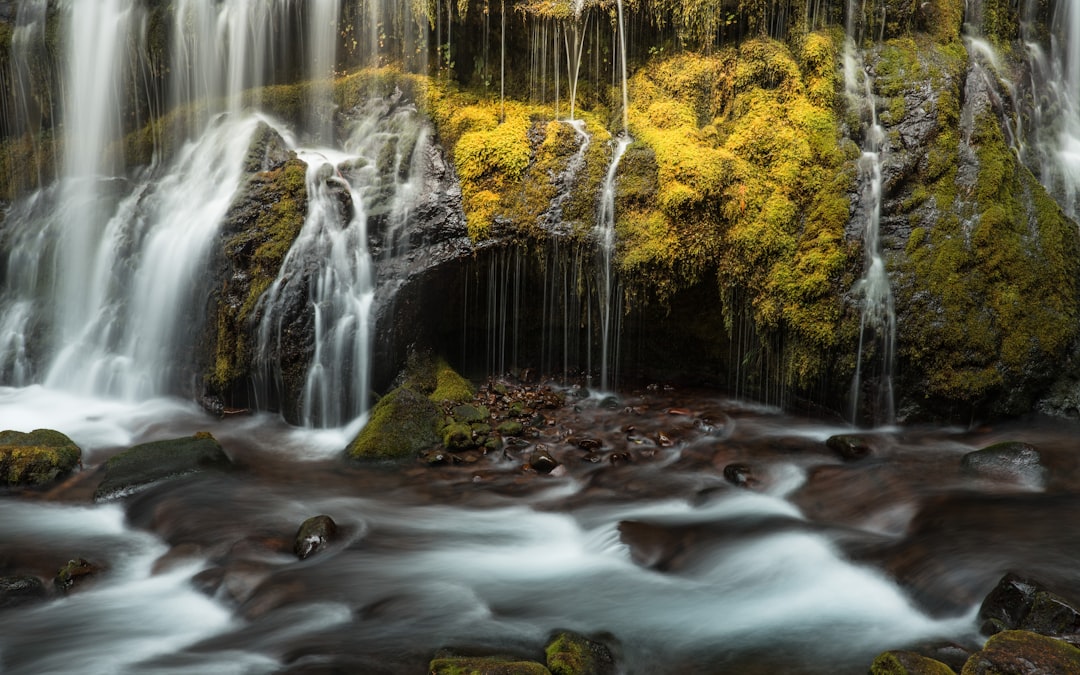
[569, 653]
[148, 463]
[403, 423]
[314, 535]
[1007, 605]
[20, 590]
[1010, 460]
[1018, 652]
[74, 572]
[542, 461]
[850, 447]
[908, 663]
[36, 458]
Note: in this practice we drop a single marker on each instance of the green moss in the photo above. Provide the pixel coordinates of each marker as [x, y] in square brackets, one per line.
[36, 458]
[402, 424]
[572, 654]
[749, 181]
[450, 386]
[457, 436]
[908, 663]
[484, 665]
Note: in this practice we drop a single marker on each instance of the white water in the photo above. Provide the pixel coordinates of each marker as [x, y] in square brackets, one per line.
[322, 57]
[609, 305]
[877, 324]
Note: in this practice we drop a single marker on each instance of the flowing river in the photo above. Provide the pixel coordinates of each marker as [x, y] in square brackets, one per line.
[814, 565]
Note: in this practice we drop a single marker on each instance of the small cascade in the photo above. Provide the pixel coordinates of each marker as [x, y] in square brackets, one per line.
[1054, 85]
[610, 295]
[553, 216]
[877, 324]
[369, 185]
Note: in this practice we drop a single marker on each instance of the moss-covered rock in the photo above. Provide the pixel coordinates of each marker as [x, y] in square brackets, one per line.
[36, 458]
[148, 463]
[908, 663]
[402, 424]
[1017, 652]
[569, 653]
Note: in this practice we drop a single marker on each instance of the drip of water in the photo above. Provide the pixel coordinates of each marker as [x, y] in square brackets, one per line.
[609, 294]
[877, 324]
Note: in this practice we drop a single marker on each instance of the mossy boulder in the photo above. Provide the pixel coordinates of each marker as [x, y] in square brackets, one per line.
[908, 663]
[1018, 652]
[148, 463]
[569, 653]
[36, 458]
[485, 665]
[457, 436]
[402, 424]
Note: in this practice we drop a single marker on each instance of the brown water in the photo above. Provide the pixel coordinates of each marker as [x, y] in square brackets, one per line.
[814, 567]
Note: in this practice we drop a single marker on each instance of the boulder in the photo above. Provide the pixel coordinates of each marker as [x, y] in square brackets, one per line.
[314, 535]
[74, 573]
[850, 447]
[403, 423]
[148, 463]
[569, 653]
[896, 662]
[1018, 652]
[542, 461]
[1010, 460]
[1051, 614]
[19, 590]
[36, 458]
[1005, 607]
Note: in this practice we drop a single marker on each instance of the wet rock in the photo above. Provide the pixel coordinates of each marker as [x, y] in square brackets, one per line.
[1010, 460]
[148, 463]
[1007, 605]
[569, 653]
[1051, 614]
[511, 428]
[36, 458]
[588, 444]
[75, 572]
[437, 458]
[908, 663]
[468, 413]
[314, 535]
[457, 436]
[20, 590]
[849, 447]
[617, 458]
[542, 461]
[740, 475]
[484, 665]
[402, 424]
[1017, 652]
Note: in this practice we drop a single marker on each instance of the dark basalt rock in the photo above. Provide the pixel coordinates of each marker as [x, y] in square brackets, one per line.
[1007, 605]
[36, 458]
[542, 461]
[1010, 460]
[849, 447]
[740, 475]
[314, 535]
[20, 590]
[149, 463]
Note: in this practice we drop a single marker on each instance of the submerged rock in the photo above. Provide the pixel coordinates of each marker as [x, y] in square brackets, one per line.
[485, 665]
[569, 653]
[1010, 460]
[314, 535]
[74, 572]
[849, 447]
[20, 590]
[36, 458]
[1018, 652]
[149, 463]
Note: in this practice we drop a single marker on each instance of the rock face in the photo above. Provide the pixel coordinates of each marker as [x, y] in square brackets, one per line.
[36, 458]
[149, 463]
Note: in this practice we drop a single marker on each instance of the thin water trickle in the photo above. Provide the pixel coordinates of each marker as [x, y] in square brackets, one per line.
[609, 293]
[877, 323]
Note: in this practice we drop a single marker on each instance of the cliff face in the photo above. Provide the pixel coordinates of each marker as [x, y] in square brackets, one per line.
[740, 206]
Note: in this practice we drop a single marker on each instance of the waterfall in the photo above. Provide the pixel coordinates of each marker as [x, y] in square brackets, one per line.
[1053, 136]
[375, 179]
[877, 324]
[609, 295]
[322, 55]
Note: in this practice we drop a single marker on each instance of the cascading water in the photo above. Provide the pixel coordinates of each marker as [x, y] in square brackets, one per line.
[322, 46]
[609, 293]
[877, 324]
[377, 174]
[1053, 151]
